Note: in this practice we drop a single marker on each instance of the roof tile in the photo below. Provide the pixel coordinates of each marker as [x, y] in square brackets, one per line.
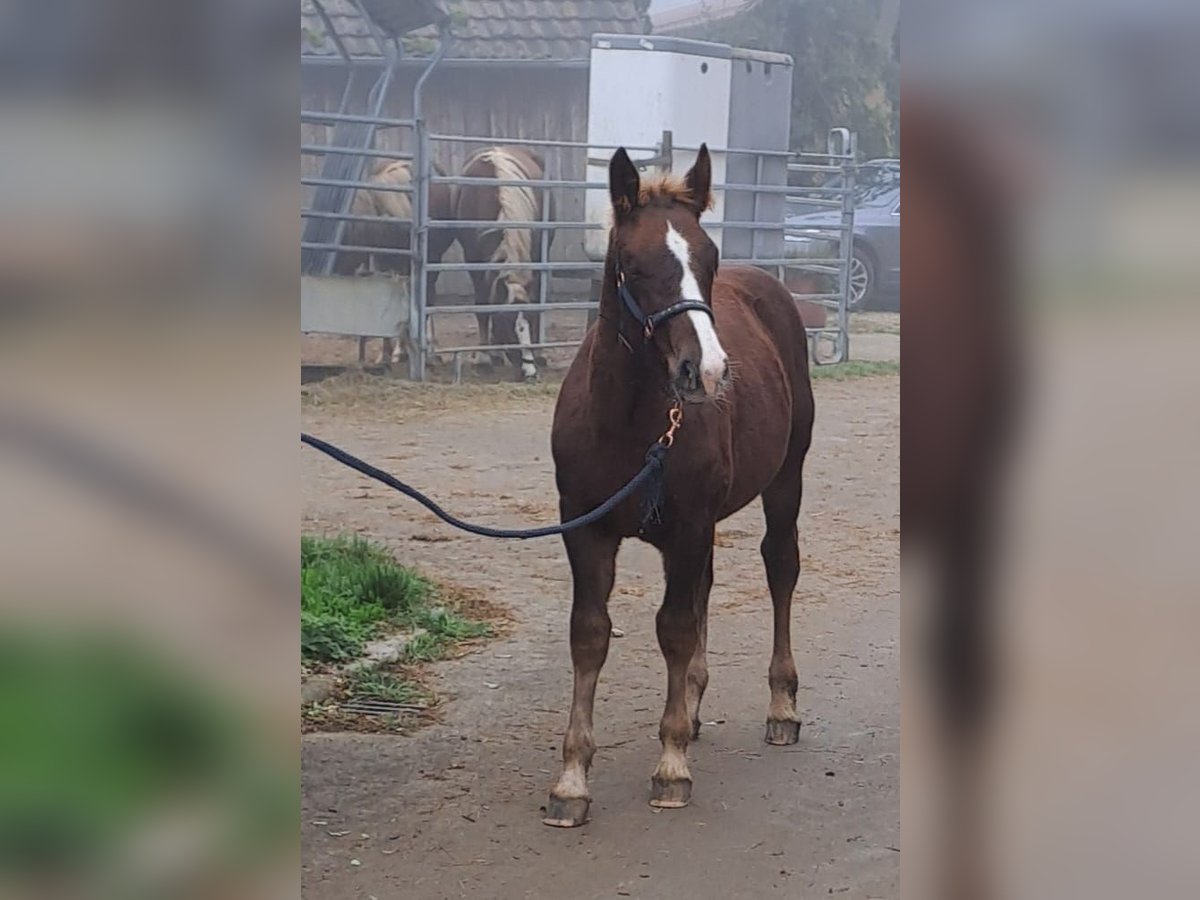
[488, 29]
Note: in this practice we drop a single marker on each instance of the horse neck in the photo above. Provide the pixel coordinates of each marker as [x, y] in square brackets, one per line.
[620, 369]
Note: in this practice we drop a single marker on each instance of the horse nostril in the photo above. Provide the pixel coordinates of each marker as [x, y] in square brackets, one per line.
[689, 374]
[725, 372]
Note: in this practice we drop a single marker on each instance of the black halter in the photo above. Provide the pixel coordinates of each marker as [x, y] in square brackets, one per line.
[652, 321]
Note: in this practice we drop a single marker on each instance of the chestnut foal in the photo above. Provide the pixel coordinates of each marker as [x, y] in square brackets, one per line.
[730, 351]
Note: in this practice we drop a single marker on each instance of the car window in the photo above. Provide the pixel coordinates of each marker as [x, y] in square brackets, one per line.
[873, 185]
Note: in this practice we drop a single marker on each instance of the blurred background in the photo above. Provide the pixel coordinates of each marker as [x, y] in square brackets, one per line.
[147, 436]
[147, 419]
[1049, 397]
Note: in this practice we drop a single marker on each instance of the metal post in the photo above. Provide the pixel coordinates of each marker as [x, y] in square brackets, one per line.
[544, 277]
[375, 100]
[419, 235]
[755, 217]
[842, 144]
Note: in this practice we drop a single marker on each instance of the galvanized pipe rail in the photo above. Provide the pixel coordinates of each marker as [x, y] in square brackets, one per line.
[835, 161]
[839, 160]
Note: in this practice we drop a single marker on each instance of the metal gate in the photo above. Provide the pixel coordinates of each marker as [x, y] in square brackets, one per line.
[393, 298]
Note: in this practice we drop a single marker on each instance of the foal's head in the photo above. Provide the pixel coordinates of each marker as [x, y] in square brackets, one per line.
[666, 258]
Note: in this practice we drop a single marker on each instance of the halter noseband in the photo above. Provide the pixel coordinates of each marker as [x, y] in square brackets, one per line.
[652, 321]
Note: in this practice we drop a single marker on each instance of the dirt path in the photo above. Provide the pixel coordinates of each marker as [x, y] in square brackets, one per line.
[453, 811]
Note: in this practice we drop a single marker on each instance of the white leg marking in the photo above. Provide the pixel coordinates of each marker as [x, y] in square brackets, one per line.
[524, 338]
[518, 294]
[712, 354]
[573, 782]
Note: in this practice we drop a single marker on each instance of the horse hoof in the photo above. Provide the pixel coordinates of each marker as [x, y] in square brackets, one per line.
[783, 732]
[670, 794]
[566, 812]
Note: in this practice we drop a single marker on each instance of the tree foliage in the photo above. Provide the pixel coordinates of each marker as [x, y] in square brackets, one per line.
[845, 74]
[643, 8]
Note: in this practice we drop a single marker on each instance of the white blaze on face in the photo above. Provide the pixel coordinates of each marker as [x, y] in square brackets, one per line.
[712, 355]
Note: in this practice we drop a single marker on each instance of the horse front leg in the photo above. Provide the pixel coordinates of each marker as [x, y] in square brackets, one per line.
[678, 624]
[525, 339]
[593, 557]
[697, 674]
[483, 320]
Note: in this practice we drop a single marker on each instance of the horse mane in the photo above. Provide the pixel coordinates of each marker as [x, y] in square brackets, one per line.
[661, 191]
[664, 190]
[517, 204]
[397, 173]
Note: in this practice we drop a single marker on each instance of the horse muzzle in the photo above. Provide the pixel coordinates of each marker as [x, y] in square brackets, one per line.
[704, 380]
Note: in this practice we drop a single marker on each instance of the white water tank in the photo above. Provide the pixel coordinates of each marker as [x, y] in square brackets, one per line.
[760, 118]
[643, 85]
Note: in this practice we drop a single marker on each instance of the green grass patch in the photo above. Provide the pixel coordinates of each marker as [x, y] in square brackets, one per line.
[352, 591]
[381, 685]
[102, 738]
[855, 368]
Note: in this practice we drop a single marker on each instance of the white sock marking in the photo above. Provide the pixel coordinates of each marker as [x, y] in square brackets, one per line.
[524, 338]
[712, 354]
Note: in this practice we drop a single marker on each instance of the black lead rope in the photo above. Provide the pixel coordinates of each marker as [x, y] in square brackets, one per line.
[651, 475]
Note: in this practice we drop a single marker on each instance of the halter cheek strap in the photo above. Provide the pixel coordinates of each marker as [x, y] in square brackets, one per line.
[652, 321]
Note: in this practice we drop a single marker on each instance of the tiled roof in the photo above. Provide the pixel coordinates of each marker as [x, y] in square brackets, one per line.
[700, 12]
[486, 29]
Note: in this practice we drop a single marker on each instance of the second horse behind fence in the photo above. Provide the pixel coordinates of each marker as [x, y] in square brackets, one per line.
[395, 234]
[510, 247]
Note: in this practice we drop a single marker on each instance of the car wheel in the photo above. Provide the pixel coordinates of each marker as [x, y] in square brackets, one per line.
[862, 279]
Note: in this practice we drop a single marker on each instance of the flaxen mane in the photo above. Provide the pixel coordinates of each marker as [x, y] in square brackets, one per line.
[386, 203]
[517, 204]
[663, 190]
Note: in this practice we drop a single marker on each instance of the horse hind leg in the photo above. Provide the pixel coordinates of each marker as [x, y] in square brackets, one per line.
[387, 346]
[781, 558]
[678, 627]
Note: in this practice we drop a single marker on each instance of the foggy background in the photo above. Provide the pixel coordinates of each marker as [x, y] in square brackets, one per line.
[147, 447]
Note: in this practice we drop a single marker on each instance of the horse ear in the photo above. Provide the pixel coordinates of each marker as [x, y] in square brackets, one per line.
[623, 183]
[699, 181]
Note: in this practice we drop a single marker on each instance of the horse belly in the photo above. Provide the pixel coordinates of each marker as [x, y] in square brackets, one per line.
[755, 470]
[760, 433]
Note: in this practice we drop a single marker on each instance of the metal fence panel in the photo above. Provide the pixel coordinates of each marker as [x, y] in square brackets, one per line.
[411, 312]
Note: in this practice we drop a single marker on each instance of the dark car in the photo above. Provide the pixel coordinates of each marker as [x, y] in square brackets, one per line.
[875, 263]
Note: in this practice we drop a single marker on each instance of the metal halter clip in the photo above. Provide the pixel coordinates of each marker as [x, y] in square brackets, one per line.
[676, 417]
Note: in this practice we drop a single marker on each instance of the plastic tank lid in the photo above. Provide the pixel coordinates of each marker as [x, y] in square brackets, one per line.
[763, 56]
[664, 44]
